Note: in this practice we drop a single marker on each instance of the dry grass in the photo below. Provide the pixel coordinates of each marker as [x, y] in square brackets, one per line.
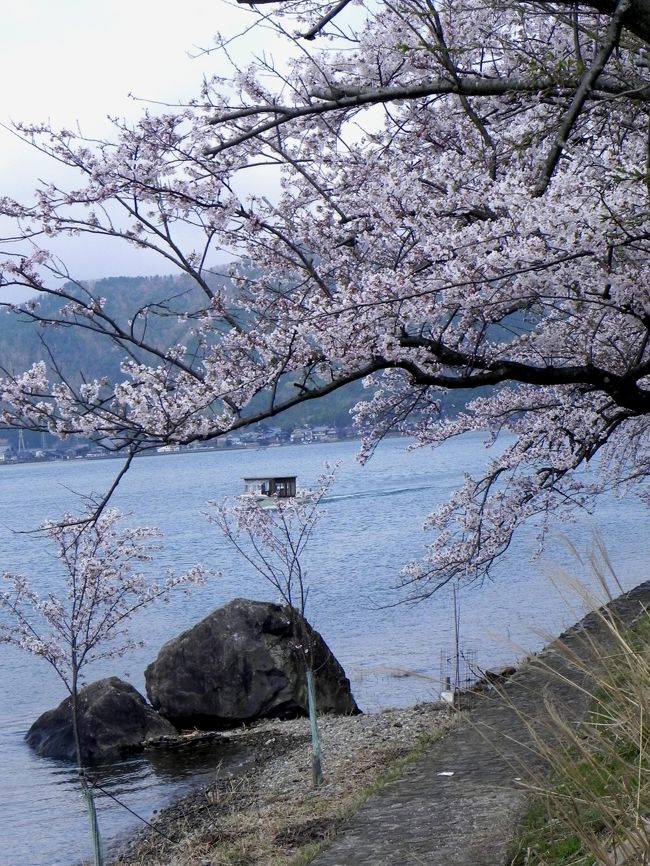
[596, 808]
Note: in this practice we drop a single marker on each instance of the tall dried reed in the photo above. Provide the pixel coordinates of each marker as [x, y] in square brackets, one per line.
[592, 805]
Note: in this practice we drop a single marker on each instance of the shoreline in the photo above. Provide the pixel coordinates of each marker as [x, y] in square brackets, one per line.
[268, 812]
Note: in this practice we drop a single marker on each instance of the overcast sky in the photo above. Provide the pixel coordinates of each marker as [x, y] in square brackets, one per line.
[75, 61]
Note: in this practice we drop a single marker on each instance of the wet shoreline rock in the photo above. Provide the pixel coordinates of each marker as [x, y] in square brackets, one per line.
[243, 662]
[114, 720]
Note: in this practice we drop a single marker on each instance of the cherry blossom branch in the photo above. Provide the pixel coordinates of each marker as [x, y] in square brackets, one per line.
[344, 98]
[636, 18]
[587, 83]
[403, 244]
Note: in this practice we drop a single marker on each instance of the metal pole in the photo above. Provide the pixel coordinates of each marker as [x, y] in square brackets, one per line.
[316, 764]
[94, 826]
[457, 645]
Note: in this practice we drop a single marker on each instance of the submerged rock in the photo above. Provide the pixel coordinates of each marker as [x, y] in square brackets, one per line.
[114, 719]
[245, 661]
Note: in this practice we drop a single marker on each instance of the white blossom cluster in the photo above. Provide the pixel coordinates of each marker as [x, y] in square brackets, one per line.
[463, 203]
[104, 588]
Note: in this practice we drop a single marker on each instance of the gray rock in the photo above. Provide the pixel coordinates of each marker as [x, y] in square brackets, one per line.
[114, 719]
[245, 662]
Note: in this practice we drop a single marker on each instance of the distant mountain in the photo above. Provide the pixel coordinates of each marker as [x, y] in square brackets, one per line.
[160, 306]
[157, 305]
[128, 300]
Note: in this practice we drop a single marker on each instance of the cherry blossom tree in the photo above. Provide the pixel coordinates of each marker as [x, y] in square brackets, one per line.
[446, 196]
[273, 540]
[104, 589]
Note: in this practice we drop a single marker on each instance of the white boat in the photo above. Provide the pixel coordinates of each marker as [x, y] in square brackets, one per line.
[266, 491]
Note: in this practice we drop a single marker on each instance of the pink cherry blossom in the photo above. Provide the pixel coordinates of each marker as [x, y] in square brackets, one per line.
[103, 588]
[458, 203]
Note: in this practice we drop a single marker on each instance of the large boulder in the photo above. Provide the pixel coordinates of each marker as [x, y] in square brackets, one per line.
[245, 661]
[114, 719]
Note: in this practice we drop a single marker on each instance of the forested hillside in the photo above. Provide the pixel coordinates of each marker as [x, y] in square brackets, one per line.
[131, 301]
[161, 306]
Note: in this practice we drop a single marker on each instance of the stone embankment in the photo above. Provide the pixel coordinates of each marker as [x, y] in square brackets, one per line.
[461, 803]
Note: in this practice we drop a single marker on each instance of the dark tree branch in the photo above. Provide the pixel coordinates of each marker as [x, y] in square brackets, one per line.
[316, 29]
[346, 98]
[582, 93]
[636, 17]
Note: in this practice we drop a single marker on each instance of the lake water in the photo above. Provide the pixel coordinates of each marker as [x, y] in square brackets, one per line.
[373, 526]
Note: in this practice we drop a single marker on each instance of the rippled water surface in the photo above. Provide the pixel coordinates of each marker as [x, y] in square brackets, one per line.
[373, 526]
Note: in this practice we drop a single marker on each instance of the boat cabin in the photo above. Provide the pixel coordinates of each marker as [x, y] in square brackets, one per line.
[283, 487]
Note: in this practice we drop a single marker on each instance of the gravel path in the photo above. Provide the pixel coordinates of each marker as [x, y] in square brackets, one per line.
[265, 814]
